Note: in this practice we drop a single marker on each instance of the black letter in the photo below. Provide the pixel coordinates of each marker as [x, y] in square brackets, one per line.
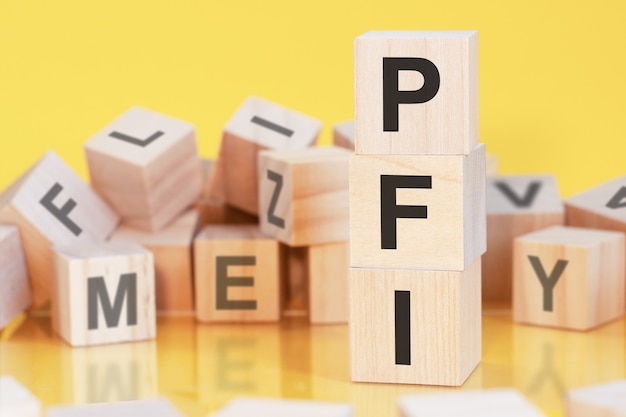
[547, 283]
[96, 289]
[403, 327]
[271, 217]
[392, 97]
[390, 211]
[223, 281]
[525, 201]
[618, 199]
[135, 141]
[62, 214]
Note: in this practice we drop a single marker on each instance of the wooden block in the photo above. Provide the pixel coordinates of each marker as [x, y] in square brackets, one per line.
[14, 287]
[154, 407]
[492, 165]
[209, 211]
[294, 280]
[173, 269]
[16, 400]
[233, 215]
[146, 165]
[343, 135]
[104, 293]
[207, 166]
[437, 221]
[428, 103]
[569, 277]
[237, 275]
[603, 400]
[303, 195]
[119, 372]
[51, 205]
[482, 403]
[328, 270]
[257, 125]
[275, 407]
[415, 326]
[516, 205]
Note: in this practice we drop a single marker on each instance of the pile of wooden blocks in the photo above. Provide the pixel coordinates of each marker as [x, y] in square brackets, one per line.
[158, 229]
[417, 209]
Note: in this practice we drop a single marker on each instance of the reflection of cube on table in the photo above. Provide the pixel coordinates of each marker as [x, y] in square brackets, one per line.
[146, 165]
[104, 293]
[568, 277]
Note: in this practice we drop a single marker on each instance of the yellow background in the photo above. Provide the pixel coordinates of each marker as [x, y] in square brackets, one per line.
[552, 73]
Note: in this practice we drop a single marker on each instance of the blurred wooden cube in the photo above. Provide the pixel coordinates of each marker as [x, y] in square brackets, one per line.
[16, 400]
[236, 275]
[15, 294]
[569, 277]
[153, 407]
[602, 400]
[343, 135]
[51, 204]
[410, 326]
[173, 269]
[417, 211]
[104, 293]
[496, 402]
[416, 92]
[303, 195]
[516, 205]
[146, 165]
[257, 125]
[279, 407]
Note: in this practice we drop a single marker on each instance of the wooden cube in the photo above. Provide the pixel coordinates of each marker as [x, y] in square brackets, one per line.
[173, 269]
[601, 207]
[14, 286]
[104, 293]
[516, 205]
[257, 125]
[606, 400]
[146, 165]
[233, 215]
[569, 277]
[343, 135]
[275, 407]
[415, 326]
[417, 211]
[496, 402]
[303, 195]
[154, 407]
[51, 204]
[327, 271]
[236, 275]
[16, 400]
[118, 372]
[207, 167]
[416, 92]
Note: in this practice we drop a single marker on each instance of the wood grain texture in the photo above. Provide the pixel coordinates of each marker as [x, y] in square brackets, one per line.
[450, 238]
[343, 135]
[75, 265]
[506, 221]
[445, 325]
[328, 270]
[446, 124]
[603, 400]
[15, 295]
[483, 403]
[275, 407]
[154, 407]
[149, 183]
[261, 271]
[242, 141]
[589, 292]
[90, 219]
[173, 267]
[312, 204]
[16, 400]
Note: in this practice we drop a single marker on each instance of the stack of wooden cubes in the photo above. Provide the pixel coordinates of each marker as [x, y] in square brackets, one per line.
[417, 209]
